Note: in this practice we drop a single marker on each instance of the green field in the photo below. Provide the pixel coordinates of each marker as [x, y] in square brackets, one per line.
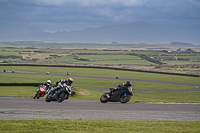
[73, 56]
[197, 56]
[102, 73]
[118, 62]
[109, 57]
[66, 59]
[4, 53]
[97, 126]
[180, 62]
[91, 57]
[94, 94]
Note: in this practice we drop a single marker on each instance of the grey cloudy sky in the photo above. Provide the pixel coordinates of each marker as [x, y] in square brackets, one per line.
[66, 15]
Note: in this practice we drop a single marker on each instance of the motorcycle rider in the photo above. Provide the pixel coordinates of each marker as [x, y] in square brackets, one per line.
[56, 86]
[48, 84]
[58, 83]
[69, 84]
[128, 83]
[62, 83]
[125, 86]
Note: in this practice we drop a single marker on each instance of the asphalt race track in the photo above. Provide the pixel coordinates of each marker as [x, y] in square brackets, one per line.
[28, 108]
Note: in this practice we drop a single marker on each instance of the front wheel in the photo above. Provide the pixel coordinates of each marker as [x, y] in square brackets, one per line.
[37, 95]
[104, 98]
[125, 98]
[61, 96]
[48, 98]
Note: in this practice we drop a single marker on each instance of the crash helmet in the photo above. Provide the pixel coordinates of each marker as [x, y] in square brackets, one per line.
[48, 82]
[128, 83]
[69, 81]
[61, 80]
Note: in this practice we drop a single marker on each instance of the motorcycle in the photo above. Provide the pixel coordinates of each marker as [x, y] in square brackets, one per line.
[121, 95]
[63, 94]
[51, 96]
[59, 95]
[40, 92]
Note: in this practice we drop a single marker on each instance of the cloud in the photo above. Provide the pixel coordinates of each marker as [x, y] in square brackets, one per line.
[112, 9]
[126, 3]
[100, 12]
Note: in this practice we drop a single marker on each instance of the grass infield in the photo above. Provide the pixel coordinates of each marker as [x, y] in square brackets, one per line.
[97, 126]
[93, 94]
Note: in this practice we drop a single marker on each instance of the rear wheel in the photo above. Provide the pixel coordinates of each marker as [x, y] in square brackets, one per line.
[125, 98]
[104, 98]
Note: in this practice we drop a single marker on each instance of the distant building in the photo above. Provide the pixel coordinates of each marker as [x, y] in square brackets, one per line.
[189, 51]
[185, 51]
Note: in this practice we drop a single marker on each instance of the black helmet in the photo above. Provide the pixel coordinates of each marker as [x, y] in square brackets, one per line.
[128, 83]
[69, 81]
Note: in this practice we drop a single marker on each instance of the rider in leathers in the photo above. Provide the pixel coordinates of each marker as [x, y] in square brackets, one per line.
[69, 84]
[48, 84]
[125, 86]
[63, 83]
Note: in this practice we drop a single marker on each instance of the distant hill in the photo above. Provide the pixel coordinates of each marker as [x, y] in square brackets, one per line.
[136, 32]
[11, 30]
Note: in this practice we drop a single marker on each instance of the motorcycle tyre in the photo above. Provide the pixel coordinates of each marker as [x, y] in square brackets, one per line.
[60, 99]
[125, 101]
[36, 95]
[104, 98]
[47, 99]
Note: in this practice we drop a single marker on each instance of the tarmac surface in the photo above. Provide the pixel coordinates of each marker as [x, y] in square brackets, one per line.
[28, 108]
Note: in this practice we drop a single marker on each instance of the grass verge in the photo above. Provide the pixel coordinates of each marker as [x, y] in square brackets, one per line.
[89, 94]
[97, 126]
[103, 73]
[95, 94]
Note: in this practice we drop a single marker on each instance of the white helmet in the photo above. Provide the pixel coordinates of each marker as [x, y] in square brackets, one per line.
[48, 82]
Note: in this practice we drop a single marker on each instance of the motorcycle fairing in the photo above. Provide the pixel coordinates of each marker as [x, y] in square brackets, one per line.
[117, 94]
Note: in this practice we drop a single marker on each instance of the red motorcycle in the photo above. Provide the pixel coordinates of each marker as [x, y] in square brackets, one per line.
[40, 92]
